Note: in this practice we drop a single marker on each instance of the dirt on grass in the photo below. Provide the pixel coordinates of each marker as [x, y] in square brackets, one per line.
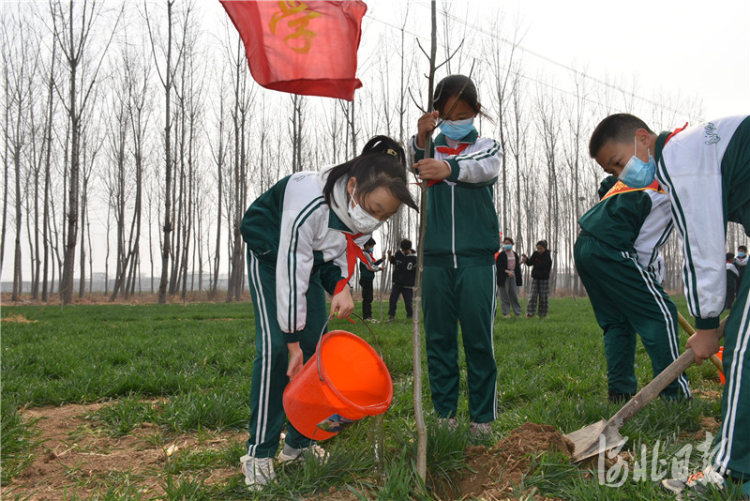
[77, 457]
[20, 319]
[495, 473]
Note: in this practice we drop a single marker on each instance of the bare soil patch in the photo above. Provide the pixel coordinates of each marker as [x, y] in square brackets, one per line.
[495, 472]
[20, 319]
[77, 456]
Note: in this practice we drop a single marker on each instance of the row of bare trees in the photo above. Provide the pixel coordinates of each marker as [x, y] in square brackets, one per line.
[134, 139]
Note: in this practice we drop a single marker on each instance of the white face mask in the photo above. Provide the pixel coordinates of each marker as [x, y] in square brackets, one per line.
[364, 222]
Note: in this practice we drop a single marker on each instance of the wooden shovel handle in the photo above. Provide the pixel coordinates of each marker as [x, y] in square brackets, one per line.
[689, 329]
[652, 389]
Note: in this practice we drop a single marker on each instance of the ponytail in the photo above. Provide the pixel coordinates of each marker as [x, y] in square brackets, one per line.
[382, 163]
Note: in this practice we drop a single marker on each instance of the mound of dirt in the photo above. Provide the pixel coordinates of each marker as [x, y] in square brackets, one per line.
[502, 467]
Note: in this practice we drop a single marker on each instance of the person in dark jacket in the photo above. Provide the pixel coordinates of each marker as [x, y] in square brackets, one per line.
[366, 277]
[733, 277]
[541, 264]
[509, 278]
[404, 273]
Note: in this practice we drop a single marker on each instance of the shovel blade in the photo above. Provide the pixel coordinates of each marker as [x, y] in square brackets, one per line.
[594, 439]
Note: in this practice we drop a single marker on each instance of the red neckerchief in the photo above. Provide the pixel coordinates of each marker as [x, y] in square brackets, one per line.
[353, 251]
[452, 151]
[448, 151]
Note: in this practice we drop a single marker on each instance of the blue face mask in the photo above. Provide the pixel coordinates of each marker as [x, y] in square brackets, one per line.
[457, 129]
[637, 173]
[740, 255]
[507, 246]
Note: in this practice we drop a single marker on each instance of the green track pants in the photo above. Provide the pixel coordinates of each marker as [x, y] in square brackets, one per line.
[466, 295]
[627, 299]
[272, 358]
[733, 441]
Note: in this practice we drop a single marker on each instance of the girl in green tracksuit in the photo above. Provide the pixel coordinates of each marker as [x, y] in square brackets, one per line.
[459, 279]
[303, 238]
[705, 171]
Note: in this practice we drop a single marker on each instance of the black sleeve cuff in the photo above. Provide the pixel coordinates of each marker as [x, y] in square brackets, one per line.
[707, 323]
[293, 337]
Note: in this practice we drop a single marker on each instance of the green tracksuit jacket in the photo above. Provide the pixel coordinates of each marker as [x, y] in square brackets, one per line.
[459, 280]
[620, 239]
[705, 171]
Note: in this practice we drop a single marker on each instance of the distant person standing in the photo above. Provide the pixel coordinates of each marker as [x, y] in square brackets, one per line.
[509, 278]
[741, 262]
[404, 273]
[541, 264]
[733, 278]
[366, 278]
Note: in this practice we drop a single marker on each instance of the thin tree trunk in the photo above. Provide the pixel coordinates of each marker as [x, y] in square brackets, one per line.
[167, 228]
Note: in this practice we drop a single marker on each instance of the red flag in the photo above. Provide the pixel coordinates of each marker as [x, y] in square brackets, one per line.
[302, 47]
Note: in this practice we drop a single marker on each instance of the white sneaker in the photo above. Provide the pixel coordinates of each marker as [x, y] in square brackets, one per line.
[258, 471]
[289, 453]
[697, 485]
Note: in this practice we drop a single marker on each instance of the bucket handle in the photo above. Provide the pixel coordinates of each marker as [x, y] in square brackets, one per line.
[320, 338]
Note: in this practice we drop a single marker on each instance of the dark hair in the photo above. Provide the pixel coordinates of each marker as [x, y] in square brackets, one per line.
[457, 85]
[405, 244]
[742, 248]
[543, 243]
[619, 128]
[382, 163]
[453, 85]
[510, 239]
[730, 256]
[370, 242]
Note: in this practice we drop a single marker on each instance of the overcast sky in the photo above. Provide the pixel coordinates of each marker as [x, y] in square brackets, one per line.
[701, 49]
[695, 49]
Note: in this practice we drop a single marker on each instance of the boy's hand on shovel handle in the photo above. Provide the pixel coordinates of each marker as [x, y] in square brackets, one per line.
[705, 342]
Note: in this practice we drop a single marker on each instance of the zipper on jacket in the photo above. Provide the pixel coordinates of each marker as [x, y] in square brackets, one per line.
[453, 225]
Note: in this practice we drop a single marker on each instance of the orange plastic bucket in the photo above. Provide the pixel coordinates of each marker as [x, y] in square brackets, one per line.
[345, 382]
[720, 355]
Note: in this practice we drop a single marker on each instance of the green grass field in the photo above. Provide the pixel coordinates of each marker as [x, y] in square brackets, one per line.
[186, 370]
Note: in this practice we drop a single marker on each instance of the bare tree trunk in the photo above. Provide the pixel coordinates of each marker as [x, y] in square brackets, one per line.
[416, 324]
[74, 47]
[108, 226]
[6, 156]
[17, 265]
[47, 171]
[238, 186]
[219, 157]
[167, 83]
[34, 246]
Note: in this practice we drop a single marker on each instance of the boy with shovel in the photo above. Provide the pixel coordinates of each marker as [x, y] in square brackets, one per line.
[618, 244]
[705, 171]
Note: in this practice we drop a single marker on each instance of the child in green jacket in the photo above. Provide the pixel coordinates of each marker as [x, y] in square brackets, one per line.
[614, 254]
[705, 171]
[303, 237]
[459, 279]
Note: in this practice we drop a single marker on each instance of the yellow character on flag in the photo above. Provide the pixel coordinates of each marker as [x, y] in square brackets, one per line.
[297, 24]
